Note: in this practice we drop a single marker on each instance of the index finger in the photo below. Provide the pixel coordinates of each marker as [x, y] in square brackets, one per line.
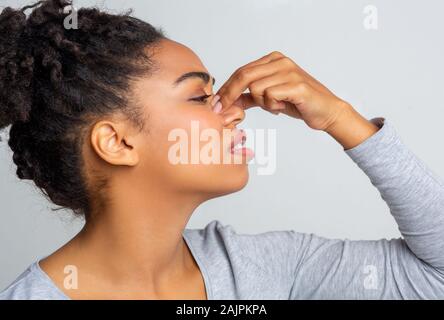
[264, 60]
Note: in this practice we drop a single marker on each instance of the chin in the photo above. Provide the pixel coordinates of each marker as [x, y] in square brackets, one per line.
[234, 181]
[224, 180]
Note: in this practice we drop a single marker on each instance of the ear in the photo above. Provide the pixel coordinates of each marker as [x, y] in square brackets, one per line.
[109, 142]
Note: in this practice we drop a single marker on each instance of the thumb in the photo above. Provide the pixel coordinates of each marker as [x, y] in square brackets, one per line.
[245, 101]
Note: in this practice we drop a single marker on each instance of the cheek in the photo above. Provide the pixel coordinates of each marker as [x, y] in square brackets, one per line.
[207, 129]
[203, 128]
[184, 127]
[204, 116]
[176, 139]
[194, 122]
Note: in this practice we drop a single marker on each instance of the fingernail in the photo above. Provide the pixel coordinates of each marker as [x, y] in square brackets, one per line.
[215, 100]
[217, 107]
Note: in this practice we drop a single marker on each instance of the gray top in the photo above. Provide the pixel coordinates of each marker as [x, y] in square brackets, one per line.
[292, 265]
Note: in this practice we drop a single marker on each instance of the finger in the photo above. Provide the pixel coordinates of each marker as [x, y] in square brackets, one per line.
[272, 104]
[290, 94]
[245, 101]
[257, 89]
[242, 79]
[263, 60]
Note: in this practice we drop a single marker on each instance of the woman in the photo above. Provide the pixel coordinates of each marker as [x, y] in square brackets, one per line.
[91, 111]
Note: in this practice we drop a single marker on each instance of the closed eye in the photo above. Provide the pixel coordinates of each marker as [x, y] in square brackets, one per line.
[201, 98]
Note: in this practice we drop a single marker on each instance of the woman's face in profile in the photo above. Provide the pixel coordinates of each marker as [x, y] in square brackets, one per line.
[183, 131]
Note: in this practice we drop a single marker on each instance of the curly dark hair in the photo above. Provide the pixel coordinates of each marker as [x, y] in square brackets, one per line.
[56, 82]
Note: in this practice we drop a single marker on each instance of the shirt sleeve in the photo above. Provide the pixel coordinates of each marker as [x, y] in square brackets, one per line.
[410, 267]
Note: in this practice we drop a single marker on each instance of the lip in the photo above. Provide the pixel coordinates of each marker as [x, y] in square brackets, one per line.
[240, 137]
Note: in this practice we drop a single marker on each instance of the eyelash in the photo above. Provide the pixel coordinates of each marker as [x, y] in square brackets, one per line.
[202, 99]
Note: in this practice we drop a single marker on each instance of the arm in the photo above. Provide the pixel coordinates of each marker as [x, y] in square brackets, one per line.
[414, 194]
[411, 267]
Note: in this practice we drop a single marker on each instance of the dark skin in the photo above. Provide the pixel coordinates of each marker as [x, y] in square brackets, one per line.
[133, 248]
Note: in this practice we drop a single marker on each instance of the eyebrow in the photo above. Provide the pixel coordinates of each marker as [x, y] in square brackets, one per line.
[194, 74]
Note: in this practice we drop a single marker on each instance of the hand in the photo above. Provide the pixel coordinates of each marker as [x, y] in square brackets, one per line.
[277, 84]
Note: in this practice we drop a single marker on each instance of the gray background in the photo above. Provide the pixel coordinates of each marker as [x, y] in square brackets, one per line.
[395, 72]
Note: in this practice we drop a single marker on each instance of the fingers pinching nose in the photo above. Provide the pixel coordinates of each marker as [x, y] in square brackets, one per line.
[217, 105]
[216, 98]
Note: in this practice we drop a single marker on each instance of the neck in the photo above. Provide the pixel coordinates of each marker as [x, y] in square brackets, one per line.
[139, 233]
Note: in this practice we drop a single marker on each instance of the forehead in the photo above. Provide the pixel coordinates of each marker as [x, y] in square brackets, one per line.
[175, 59]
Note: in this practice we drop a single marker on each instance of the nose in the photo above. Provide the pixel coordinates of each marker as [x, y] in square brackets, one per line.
[233, 115]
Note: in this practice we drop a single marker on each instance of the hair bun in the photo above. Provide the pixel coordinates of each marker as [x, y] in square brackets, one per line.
[15, 69]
